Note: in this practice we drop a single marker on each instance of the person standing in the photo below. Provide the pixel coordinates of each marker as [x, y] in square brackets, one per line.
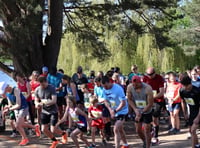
[18, 104]
[116, 102]
[140, 98]
[45, 97]
[157, 84]
[174, 102]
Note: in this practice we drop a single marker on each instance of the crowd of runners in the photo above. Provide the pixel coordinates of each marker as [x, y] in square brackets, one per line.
[53, 103]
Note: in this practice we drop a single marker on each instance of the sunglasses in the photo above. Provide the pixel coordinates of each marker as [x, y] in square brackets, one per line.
[150, 74]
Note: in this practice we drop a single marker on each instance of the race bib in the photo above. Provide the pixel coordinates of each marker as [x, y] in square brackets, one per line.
[79, 87]
[24, 94]
[101, 99]
[112, 103]
[87, 104]
[189, 101]
[140, 103]
[75, 119]
[96, 114]
[170, 95]
[154, 93]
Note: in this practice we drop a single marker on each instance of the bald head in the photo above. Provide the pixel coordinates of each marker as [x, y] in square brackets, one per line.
[150, 70]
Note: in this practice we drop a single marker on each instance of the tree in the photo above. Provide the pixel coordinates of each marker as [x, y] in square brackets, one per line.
[22, 30]
[87, 19]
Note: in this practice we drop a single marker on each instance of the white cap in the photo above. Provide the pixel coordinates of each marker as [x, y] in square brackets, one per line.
[3, 86]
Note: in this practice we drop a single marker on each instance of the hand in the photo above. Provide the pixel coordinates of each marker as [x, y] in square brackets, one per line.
[5, 110]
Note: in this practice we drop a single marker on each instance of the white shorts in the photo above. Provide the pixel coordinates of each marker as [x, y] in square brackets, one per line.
[21, 113]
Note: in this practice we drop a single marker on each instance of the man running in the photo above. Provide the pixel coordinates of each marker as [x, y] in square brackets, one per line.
[140, 98]
[18, 104]
[45, 97]
[157, 84]
[190, 94]
[116, 102]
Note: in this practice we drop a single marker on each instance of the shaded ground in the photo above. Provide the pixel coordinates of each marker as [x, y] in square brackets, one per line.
[166, 140]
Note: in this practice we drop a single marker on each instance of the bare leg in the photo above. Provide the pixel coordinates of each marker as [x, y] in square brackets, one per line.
[173, 122]
[74, 137]
[194, 135]
[19, 127]
[93, 134]
[46, 131]
[177, 119]
[84, 139]
[139, 131]
[147, 133]
[117, 127]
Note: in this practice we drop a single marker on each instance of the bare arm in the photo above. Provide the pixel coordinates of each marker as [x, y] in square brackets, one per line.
[130, 99]
[28, 90]
[63, 118]
[183, 105]
[52, 101]
[149, 99]
[73, 87]
[160, 94]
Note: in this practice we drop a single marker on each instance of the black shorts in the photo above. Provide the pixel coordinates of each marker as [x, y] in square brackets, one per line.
[52, 119]
[12, 115]
[146, 118]
[157, 109]
[192, 116]
[120, 117]
[61, 101]
[82, 128]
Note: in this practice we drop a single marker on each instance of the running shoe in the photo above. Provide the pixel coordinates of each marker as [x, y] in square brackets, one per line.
[172, 131]
[155, 141]
[93, 145]
[54, 144]
[178, 131]
[197, 146]
[124, 146]
[24, 142]
[64, 138]
[189, 135]
[104, 142]
[13, 135]
[37, 130]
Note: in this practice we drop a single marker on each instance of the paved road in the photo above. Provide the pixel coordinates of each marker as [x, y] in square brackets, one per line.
[167, 141]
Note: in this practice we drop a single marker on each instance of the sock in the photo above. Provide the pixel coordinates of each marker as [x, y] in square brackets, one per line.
[125, 144]
[156, 129]
[54, 139]
[14, 131]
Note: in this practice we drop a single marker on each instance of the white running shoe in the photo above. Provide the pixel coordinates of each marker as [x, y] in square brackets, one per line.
[13, 135]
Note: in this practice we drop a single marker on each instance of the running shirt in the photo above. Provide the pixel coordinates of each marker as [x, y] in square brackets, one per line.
[132, 74]
[192, 98]
[46, 94]
[70, 92]
[114, 96]
[156, 83]
[12, 99]
[91, 88]
[34, 84]
[95, 112]
[24, 90]
[79, 120]
[139, 98]
[55, 80]
[196, 83]
[98, 91]
[172, 91]
[86, 100]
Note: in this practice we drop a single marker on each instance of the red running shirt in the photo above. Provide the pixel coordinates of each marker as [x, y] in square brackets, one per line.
[34, 84]
[91, 88]
[156, 83]
[96, 112]
[24, 90]
[172, 91]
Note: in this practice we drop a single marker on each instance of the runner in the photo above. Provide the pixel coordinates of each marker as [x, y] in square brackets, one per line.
[45, 97]
[134, 72]
[190, 95]
[18, 104]
[174, 102]
[140, 98]
[77, 116]
[95, 114]
[157, 84]
[194, 77]
[116, 102]
[98, 92]
[45, 71]
[79, 78]
[100, 74]
[34, 84]
[25, 88]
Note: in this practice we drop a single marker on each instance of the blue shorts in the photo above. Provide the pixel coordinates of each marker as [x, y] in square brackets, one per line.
[174, 106]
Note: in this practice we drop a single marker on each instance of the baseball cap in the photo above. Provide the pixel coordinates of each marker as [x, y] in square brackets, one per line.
[3, 86]
[45, 69]
[136, 79]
